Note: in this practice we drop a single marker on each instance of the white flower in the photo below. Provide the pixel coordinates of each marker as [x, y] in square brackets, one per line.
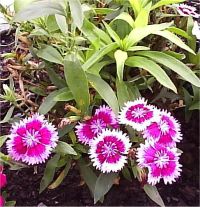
[196, 30]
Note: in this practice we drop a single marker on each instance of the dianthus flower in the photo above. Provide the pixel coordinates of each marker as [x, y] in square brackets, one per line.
[166, 131]
[3, 180]
[2, 201]
[104, 117]
[162, 162]
[32, 140]
[138, 114]
[186, 10]
[108, 151]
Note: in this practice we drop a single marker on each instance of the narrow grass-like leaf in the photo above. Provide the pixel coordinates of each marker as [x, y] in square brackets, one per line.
[152, 68]
[63, 149]
[8, 115]
[165, 2]
[104, 90]
[174, 64]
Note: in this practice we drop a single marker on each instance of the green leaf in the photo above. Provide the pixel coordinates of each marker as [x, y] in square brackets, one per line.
[50, 54]
[195, 105]
[137, 48]
[175, 39]
[138, 34]
[77, 82]
[51, 24]
[38, 9]
[105, 91]
[174, 64]
[96, 68]
[153, 194]
[49, 102]
[179, 32]
[21, 4]
[103, 184]
[126, 173]
[88, 175]
[99, 55]
[165, 2]
[62, 175]
[55, 78]
[136, 5]
[49, 172]
[62, 23]
[3, 139]
[177, 55]
[152, 68]
[63, 149]
[125, 17]
[76, 12]
[142, 18]
[64, 96]
[10, 203]
[8, 115]
[120, 58]
[112, 33]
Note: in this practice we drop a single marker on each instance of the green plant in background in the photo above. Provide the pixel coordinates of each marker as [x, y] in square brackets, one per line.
[97, 52]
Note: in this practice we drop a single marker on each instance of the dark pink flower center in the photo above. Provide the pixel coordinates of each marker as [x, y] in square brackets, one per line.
[139, 113]
[110, 149]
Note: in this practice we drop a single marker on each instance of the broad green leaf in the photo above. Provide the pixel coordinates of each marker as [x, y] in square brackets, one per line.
[179, 32]
[49, 102]
[165, 2]
[178, 56]
[64, 96]
[112, 33]
[21, 4]
[76, 12]
[8, 115]
[104, 10]
[137, 48]
[3, 139]
[64, 149]
[38, 9]
[174, 64]
[136, 5]
[105, 91]
[55, 78]
[62, 175]
[96, 68]
[138, 34]
[153, 193]
[65, 130]
[49, 172]
[103, 184]
[99, 55]
[88, 175]
[120, 58]
[50, 54]
[37, 90]
[152, 68]
[122, 93]
[175, 39]
[51, 24]
[125, 17]
[77, 82]
[62, 23]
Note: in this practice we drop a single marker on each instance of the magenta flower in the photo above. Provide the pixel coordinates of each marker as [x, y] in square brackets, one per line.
[108, 151]
[32, 140]
[3, 180]
[162, 162]
[166, 131]
[186, 10]
[104, 117]
[2, 201]
[138, 114]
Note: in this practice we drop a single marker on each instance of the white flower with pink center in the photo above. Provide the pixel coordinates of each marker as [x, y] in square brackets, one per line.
[162, 162]
[104, 117]
[166, 131]
[32, 140]
[186, 10]
[138, 114]
[108, 151]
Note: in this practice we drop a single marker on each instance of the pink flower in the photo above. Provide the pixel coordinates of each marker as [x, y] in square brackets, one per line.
[2, 202]
[138, 114]
[108, 151]
[166, 131]
[104, 117]
[3, 180]
[162, 162]
[32, 140]
[186, 10]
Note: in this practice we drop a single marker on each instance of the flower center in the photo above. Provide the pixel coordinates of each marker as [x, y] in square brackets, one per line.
[139, 112]
[161, 159]
[97, 126]
[109, 149]
[30, 139]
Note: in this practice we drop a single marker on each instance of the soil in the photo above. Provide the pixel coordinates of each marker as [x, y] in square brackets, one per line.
[23, 185]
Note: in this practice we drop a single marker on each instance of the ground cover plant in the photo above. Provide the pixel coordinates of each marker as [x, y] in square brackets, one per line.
[94, 84]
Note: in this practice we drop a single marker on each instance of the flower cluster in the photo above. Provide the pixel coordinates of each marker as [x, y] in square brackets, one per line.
[32, 140]
[108, 145]
[3, 182]
[161, 132]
